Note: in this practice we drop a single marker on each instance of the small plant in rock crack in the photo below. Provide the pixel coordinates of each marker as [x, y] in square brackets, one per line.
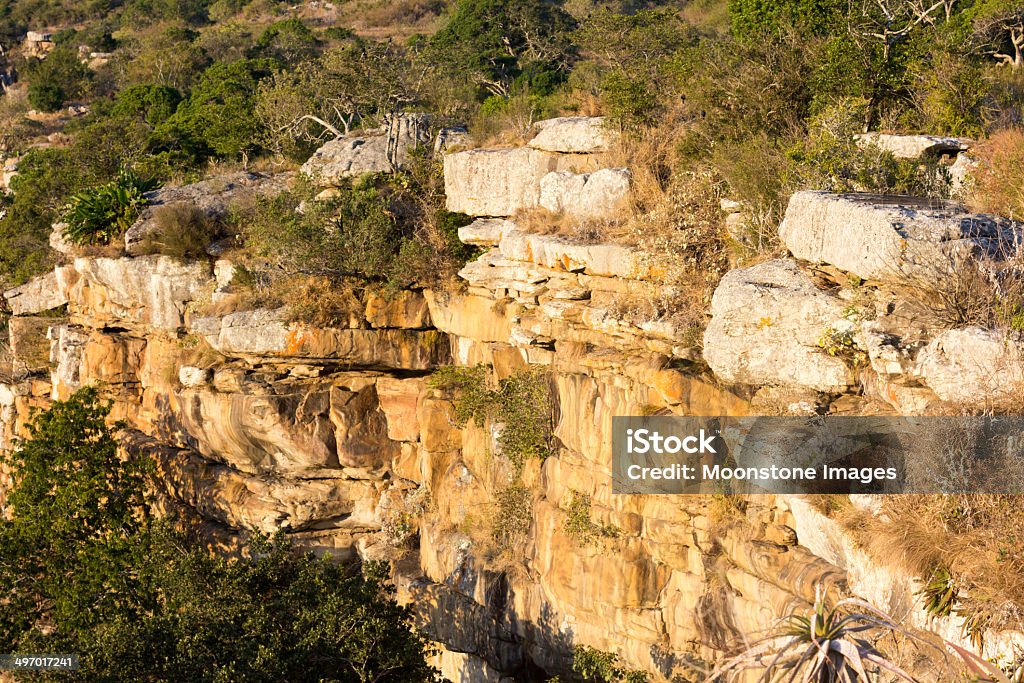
[101, 214]
[401, 526]
[580, 527]
[839, 342]
[939, 593]
[521, 404]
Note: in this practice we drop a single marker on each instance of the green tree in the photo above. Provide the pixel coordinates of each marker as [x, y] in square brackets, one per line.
[219, 113]
[56, 80]
[634, 53]
[153, 103]
[289, 41]
[497, 39]
[85, 569]
[68, 550]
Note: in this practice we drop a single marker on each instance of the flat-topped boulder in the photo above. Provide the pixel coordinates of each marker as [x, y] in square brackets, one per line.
[485, 232]
[36, 296]
[574, 135]
[601, 194]
[892, 238]
[766, 325]
[561, 254]
[149, 290]
[913, 146]
[379, 150]
[496, 182]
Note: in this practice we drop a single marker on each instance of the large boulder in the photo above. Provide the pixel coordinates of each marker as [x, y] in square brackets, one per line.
[600, 194]
[974, 366]
[913, 146]
[380, 150]
[891, 238]
[573, 135]
[150, 291]
[766, 325]
[496, 182]
[36, 296]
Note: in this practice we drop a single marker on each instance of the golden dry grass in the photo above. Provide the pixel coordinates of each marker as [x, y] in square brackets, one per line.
[976, 537]
[999, 179]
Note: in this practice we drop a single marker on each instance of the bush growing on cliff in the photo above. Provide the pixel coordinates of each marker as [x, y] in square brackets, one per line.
[84, 568]
[521, 404]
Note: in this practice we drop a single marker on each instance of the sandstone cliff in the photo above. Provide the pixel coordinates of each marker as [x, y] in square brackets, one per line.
[336, 437]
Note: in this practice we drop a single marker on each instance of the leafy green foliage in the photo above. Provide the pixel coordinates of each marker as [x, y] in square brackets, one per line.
[598, 666]
[83, 568]
[77, 508]
[939, 593]
[56, 80]
[218, 117]
[635, 55]
[521, 404]
[288, 41]
[498, 41]
[578, 524]
[355, 233]
[512, 516]
[102, 214]
[153, 103]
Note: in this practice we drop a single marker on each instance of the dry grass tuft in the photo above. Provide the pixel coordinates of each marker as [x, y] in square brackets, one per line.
[999, 179]
[976, 537]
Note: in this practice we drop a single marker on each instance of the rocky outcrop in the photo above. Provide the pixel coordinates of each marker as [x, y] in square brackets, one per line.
[586, 195]
[36, 296]
[504, 182]
[495, 182]
[338, 436]
[891, 238]
[914, 146]
[974, 366]
[381, 150]
[264, 333]
[757, 311]
[149, 291]
[574, 135]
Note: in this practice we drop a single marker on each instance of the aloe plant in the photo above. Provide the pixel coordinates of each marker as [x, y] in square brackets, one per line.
[100, 214]
[823, 646]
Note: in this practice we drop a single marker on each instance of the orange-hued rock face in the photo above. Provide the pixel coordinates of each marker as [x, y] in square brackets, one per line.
[338, 437]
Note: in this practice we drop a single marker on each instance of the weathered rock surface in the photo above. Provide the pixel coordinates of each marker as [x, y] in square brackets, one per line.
[495, 182]
[766, 324]
[891, 238]
[913, 146]
[383, 150]
[574, 135]
[150, 290]
[974, 366]
[485, 232]
[36, 296]
[601, 194]
[266, 333]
